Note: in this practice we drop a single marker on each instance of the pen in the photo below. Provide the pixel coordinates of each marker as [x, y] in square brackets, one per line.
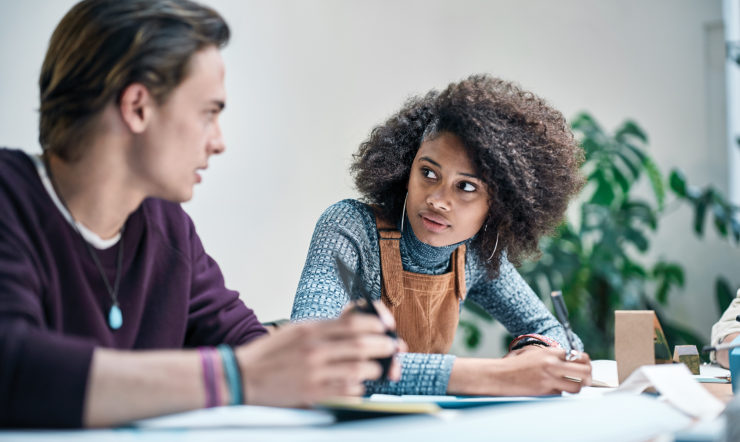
[363, 304]
[562, 314]
[720, 347]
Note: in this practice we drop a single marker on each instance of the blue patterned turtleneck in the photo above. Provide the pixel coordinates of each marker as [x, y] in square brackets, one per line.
[348, 229]
[420, 257]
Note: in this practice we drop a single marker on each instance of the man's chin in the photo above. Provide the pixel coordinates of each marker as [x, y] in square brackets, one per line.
[176, 197]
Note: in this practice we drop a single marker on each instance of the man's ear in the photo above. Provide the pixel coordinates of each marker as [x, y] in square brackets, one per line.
[136, 106]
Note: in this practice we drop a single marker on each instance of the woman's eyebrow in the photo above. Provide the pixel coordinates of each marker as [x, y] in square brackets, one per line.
[470, 175]
[431, 161]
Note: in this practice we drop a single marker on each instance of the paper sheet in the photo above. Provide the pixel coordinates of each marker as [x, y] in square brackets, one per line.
[677, 386]
[238, 416]
[604, 373]
[457, 401]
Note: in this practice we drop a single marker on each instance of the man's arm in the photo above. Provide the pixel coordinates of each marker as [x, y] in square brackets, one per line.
[297, 366]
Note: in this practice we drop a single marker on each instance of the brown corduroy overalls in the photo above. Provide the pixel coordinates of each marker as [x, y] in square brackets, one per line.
[426, 307]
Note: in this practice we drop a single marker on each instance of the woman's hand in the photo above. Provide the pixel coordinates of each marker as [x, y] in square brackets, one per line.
[303, 363]
[529, 371]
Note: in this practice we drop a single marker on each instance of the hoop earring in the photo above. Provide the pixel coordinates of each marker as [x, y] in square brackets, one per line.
[403, 211]
[494, 249]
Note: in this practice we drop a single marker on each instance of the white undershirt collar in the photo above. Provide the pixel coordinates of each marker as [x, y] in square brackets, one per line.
[88, 235]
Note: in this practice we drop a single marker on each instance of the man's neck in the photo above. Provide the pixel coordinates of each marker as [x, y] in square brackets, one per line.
[95, 189]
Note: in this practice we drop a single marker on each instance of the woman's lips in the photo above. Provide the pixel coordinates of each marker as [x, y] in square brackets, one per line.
[433, 224]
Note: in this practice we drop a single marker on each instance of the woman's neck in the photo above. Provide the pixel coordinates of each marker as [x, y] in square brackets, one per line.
[422, 254]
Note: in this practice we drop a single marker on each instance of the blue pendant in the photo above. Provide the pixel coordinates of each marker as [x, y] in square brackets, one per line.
[115, 317]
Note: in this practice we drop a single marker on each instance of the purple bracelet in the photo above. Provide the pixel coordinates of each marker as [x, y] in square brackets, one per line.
[213, 396]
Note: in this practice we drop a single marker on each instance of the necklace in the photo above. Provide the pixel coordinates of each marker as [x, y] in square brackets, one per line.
[115, 317]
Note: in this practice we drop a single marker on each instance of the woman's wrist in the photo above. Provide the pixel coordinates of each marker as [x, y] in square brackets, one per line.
[475, 376]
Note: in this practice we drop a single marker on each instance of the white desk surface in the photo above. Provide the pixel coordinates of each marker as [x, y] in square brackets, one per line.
[591, 416]
[614, 417]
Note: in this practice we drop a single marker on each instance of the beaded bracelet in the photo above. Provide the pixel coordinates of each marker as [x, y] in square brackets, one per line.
[233, 374]
[532, 337]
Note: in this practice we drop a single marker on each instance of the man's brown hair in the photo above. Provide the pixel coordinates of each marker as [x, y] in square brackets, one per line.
[102, 46]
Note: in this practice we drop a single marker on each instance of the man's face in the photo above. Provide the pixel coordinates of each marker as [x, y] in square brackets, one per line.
[184, 131]
[447, 203]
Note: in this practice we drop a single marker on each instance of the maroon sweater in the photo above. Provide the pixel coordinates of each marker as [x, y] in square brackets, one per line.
[54, 304]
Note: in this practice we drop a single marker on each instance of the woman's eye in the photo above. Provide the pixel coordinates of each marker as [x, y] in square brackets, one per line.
[467, 187]
[428, 173]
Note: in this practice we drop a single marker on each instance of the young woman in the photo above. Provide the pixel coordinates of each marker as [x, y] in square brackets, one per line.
[458, 187]
[110, 308]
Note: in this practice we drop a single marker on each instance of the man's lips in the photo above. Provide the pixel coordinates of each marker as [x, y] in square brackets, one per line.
[198, 177]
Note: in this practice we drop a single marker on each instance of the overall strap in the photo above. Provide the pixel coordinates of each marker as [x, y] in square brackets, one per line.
[458, 267]
[390, 260]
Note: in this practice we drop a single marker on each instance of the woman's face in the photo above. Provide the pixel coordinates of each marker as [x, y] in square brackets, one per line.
[447, 203]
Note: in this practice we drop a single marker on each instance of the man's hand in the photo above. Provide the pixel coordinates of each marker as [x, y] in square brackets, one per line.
[303, 363]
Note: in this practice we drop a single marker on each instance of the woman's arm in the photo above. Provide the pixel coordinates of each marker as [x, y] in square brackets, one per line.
[535, 371]
[511, 301]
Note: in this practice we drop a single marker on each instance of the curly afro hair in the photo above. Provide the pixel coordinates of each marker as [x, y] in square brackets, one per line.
[522, 148]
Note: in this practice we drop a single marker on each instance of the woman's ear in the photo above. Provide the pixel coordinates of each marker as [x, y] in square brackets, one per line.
[136, 106]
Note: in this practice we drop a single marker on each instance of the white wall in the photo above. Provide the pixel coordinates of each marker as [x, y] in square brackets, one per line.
[307, 80]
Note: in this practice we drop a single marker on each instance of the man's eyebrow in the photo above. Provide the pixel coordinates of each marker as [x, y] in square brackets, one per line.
[471, 175]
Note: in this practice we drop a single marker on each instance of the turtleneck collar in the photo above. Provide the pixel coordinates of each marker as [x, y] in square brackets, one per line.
[415, 253]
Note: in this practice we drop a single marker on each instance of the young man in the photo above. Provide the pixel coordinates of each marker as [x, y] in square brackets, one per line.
[98, 262]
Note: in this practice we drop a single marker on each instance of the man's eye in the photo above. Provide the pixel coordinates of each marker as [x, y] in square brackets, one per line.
[428, 173]
[467, 187]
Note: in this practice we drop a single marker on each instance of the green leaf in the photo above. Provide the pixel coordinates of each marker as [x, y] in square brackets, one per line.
[633, 165]
[656, 180]
[735, 228]
[641, 211]
[620, 179]
[584, 122]
[637, 238]
[677, 182]
[700, 210]
[724, 293]
[604, 194]
[720, 219]
[668, 275]
[631, 128]
[636, 151]
[472, 334]
[589, 147]
[477, 310]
